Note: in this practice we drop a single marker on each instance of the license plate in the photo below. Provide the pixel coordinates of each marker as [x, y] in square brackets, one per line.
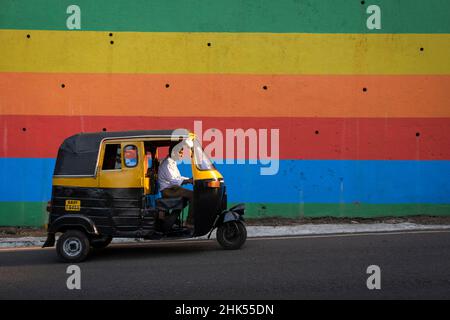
[73, 205]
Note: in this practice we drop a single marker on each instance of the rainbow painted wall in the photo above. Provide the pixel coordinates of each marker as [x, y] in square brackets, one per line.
[363, 112]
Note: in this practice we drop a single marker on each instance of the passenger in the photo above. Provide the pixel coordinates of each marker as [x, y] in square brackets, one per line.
[170, 182]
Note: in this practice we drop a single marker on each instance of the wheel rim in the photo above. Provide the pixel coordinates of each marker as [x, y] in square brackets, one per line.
[72, 247]
[231, 232]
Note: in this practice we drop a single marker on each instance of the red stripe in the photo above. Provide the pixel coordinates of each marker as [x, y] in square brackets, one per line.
[336, 138]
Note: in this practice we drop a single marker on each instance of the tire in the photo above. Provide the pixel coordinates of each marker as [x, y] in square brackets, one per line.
[73, 246]
[232, 235]
[101, 243]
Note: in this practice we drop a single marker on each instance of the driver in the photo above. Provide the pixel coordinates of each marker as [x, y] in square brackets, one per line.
[170, 181]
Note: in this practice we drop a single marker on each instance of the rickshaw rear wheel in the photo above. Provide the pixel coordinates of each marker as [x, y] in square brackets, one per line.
[232, 235]
[73, 246]
[101, 243]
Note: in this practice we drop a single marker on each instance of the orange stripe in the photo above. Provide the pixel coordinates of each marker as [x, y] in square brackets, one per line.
[224, 95]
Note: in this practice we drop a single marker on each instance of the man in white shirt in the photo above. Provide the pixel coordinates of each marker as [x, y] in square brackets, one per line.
[170, 182]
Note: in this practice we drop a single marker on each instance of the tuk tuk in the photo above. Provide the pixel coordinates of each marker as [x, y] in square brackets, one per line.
[105, 186]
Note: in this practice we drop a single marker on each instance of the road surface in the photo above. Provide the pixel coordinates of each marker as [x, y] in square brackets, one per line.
[413, 265]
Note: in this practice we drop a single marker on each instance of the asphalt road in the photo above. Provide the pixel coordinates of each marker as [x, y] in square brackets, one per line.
[413, 265]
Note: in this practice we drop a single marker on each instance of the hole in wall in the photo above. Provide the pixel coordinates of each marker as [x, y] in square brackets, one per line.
[421, 49]
[24, 129]
[110, 34]
[209, 44]
[167, 85]
[265, 87]
[28, 36]
[363, 2]
[104, 129]
[364, 89]
[316, 132]
[417, 134]
[63, 85]
[112, 42]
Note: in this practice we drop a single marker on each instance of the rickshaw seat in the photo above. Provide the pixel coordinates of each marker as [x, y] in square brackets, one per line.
[169, 204]
[171, 207]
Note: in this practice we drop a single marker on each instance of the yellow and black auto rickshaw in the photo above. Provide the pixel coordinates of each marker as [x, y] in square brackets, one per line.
[105, 186]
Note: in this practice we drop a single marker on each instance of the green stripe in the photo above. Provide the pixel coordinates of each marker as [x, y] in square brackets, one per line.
[312, 210]
[310, 16]
[23, 214]
[33, 214]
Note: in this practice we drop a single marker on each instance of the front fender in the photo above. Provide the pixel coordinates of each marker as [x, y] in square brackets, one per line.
[233, 214]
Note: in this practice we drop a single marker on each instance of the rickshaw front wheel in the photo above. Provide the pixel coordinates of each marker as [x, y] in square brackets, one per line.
[232, 235]
[73, 246]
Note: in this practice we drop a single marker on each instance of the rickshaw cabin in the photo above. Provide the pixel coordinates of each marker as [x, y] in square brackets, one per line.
[109, 173]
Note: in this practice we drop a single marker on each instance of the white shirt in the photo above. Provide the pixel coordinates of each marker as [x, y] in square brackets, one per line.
[168, 174]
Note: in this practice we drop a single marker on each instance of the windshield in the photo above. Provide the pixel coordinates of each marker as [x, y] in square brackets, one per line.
[201, 160]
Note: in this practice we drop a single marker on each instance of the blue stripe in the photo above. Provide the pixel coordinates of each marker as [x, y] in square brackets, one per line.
[26, 179]
[309, 181]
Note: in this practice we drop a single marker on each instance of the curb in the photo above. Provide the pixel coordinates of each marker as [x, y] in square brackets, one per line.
[267, 231]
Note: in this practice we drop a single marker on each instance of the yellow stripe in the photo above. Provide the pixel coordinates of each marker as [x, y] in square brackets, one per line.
[245, 53]
[75, 182]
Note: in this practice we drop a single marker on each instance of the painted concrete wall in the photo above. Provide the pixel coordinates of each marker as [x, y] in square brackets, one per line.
[359, 90]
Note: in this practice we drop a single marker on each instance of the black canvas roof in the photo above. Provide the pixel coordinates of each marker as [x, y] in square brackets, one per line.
[78, 154]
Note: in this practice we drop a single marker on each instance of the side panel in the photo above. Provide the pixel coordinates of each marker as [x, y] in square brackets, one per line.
[111, 209]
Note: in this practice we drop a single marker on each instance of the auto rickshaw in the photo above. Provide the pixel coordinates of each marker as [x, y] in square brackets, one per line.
[105, 186]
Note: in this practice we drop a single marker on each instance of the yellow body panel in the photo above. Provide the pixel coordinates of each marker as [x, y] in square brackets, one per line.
[124, 177]
[88, 182]
[146, 179]
[205, 174]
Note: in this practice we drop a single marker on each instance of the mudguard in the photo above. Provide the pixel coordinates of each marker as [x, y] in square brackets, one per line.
[67, 222]
[239, 209]
[231, 216]
[234, 213]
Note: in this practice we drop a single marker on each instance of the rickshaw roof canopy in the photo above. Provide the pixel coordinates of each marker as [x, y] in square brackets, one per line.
[78, 154]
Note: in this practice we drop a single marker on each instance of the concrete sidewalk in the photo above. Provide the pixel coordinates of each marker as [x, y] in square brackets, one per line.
[270, 231]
